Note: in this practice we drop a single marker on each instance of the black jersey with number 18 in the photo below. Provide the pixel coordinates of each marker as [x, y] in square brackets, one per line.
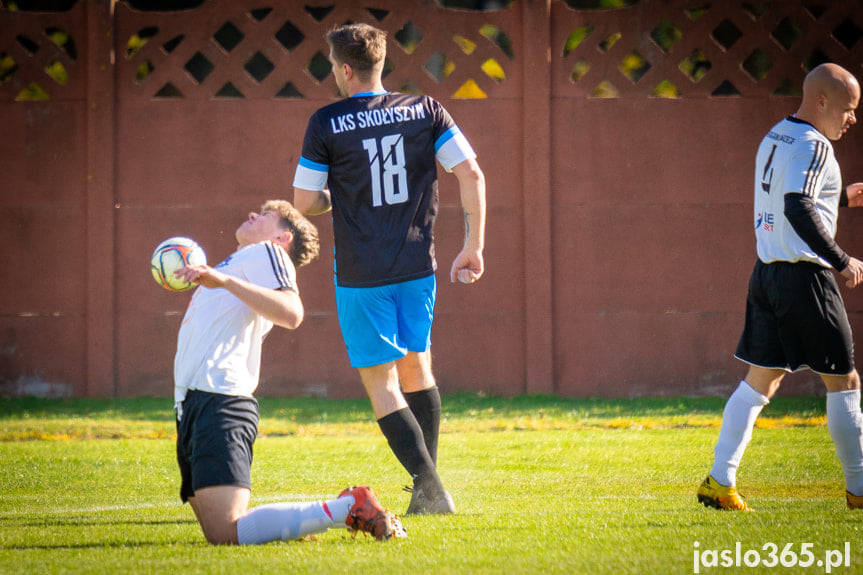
[376, 152]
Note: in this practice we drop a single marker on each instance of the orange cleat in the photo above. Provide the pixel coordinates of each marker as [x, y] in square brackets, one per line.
[369, 516]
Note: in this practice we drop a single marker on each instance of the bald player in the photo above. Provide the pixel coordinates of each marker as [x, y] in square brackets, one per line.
[795, 316]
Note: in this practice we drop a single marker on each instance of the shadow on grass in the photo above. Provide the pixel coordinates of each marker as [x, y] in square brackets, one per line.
[29, 521]
[98, 545]
[110, 525]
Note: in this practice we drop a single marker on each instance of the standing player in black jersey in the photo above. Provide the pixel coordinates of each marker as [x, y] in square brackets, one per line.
[795, 316]
[371, 159]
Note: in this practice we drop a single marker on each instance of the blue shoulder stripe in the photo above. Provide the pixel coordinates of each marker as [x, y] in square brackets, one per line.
[307, 163]
[446, 137]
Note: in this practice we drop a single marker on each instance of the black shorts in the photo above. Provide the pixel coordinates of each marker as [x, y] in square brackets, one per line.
[795, 319]
[214, 441]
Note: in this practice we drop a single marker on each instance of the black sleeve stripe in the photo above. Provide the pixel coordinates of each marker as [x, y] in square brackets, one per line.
[274, 264]
[816, 167]
[803, 217]
[280, 266]
[287, 266]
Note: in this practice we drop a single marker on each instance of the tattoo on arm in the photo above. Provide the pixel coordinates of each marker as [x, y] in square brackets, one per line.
[466, 225]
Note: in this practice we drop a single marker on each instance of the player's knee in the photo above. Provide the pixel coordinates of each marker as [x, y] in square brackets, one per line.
[415, 373]
[842, 382]
[852, 380]
[221, 535]
[219, 530]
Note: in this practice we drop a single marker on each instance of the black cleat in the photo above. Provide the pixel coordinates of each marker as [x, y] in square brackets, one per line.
[421, 505]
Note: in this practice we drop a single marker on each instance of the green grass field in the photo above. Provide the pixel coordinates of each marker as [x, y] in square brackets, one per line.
[542, 485]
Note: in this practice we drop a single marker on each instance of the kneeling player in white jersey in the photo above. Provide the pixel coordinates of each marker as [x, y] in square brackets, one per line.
[216, 371]
[795, 316]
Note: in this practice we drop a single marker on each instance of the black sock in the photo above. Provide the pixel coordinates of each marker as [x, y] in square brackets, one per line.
[426, 407]
[405, 437]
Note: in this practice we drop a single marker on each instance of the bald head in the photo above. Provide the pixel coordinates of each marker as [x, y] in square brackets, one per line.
[830, 96]
[829, 79]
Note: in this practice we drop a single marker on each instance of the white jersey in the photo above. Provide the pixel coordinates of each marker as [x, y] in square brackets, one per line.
[793, 157]
[220, 339]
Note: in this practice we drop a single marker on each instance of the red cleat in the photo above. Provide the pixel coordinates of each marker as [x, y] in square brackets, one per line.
[369, 516]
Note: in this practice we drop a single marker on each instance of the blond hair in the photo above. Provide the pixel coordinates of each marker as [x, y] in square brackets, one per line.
[306, 245]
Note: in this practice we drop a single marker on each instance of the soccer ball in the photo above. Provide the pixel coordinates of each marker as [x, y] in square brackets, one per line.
[171, 255]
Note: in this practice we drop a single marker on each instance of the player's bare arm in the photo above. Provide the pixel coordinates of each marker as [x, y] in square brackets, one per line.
[801, 215]
[312, 203]
[854, 193]
[853, 272]
[468, 265]
[282, 307]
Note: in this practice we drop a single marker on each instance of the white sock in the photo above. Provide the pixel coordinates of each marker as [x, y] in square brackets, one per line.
[339, 509]
[288, 521]
[738, 419]
[845, 423]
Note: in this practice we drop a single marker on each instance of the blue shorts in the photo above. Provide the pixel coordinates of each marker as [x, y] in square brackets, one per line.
[382, 324]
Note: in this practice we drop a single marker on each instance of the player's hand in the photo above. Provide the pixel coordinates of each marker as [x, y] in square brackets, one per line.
[467, 267]
[854, 272]
[202, 275]
[855, 194]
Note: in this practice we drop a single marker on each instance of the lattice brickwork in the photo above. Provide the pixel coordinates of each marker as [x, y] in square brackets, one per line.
[41, 55]
[250, 50]
[243, 49]
[686, 49]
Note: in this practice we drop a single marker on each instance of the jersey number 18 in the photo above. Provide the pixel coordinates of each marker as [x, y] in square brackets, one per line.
[391, 184]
